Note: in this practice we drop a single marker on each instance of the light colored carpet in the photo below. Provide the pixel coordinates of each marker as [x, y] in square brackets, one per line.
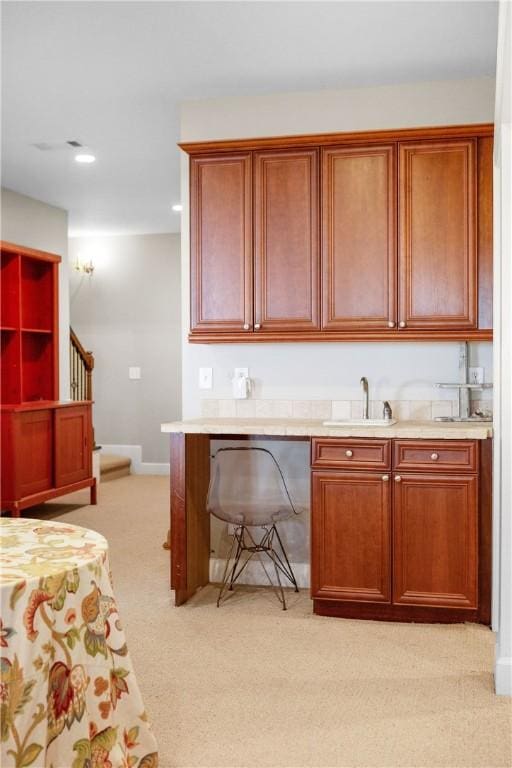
[250, 685]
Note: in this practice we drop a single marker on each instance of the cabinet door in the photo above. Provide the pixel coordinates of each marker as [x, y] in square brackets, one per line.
[286, 199]
[359, 238]
[438, 267]
[33, 448]
[435, 532]
[73, 449]
[221, 243]
[350, 536]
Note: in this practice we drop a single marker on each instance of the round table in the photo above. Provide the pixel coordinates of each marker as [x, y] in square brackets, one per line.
[68, 693]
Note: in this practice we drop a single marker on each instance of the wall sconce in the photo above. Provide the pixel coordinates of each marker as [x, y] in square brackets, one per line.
[85, 267]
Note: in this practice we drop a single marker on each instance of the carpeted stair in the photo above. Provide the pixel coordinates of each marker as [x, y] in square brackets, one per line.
[113, 467]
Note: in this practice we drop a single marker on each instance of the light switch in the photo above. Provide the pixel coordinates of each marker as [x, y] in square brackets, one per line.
[134, 372]
[205, 378]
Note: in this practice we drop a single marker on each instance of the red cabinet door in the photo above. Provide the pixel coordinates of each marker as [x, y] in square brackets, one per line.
[33, 452]
[286, 258]
[438, 229]
[221, 243]
[351, 536]
[359, 238]
[435, 533]
[73, 449]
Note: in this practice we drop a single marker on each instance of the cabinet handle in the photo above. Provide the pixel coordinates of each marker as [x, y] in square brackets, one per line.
[385, 478]
[402, 323]
[391, 324]
[246, 326]
[349, 454]
[434, 456]
[257, 326]
[398, 479]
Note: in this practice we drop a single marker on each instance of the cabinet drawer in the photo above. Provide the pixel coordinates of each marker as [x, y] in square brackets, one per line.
[436, 456]
[350, 453]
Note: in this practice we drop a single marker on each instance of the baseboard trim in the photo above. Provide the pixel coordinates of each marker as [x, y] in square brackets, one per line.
[154, 468]
[503, 676]
[253, 573]
[138, 467]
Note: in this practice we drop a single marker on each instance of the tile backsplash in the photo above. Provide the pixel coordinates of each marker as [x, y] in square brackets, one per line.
[416, 410]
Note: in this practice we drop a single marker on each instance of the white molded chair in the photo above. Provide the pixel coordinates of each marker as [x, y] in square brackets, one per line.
[248, 490]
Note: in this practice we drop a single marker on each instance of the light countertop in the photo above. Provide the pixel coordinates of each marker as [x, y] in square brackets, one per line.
[437, 430]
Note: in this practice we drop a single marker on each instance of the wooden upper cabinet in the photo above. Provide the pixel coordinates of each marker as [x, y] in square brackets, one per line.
[438, 229]
[221, 243]
[359, 237]
[286, 238]
[362, 236]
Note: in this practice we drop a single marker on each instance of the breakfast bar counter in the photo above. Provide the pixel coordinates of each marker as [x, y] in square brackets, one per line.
[438, 430]
[400, 518]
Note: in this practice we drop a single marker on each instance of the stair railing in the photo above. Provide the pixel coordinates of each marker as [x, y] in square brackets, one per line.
[81, 365]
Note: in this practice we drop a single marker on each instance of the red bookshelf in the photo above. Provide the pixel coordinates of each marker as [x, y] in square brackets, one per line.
[46, 444]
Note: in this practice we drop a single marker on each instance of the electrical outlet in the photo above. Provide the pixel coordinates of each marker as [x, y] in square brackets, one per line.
[476, 375]
[205, 378]
[134, 372]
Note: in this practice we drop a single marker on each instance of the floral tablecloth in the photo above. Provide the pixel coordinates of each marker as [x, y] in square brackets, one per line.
[68, 694]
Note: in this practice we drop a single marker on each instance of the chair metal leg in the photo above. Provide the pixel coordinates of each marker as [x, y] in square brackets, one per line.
[243, 541]
[289, 571]
[234, 543]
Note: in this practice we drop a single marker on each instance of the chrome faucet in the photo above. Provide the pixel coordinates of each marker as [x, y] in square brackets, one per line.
[364, 383]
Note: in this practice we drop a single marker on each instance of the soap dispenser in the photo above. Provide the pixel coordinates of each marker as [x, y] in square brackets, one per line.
[241, 386]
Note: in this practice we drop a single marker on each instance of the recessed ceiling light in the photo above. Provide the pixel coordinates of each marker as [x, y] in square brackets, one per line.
[85, 158]
[177, 208]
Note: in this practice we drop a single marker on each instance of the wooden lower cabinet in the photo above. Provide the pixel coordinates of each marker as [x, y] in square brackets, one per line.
[351, 536]
[435, 540]
[73, 456]
[46, 452]
[411, 546]
[33, 440]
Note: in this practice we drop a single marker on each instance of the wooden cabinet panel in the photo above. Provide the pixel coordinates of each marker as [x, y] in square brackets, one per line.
[221, 243]
[73, 449]
[435, 541]
[350, 453]
[436, 455]
[350, 536]
[438, 259]
[359, 237]
[33, 452]
[286, 236]
[485, 224]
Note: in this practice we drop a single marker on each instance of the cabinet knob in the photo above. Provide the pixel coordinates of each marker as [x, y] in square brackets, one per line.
[257, 326]
[349, 454]
[402, 323]
[246, 326]
[385, 478]
[434, 456]
[391, 324]
[398, 479]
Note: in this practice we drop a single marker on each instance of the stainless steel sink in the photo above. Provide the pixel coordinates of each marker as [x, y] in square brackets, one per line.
[359, 422]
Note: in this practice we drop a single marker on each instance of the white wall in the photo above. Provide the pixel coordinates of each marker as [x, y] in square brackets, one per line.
[34, 224]
[327, 371]
[128, 314]
[502, 485]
